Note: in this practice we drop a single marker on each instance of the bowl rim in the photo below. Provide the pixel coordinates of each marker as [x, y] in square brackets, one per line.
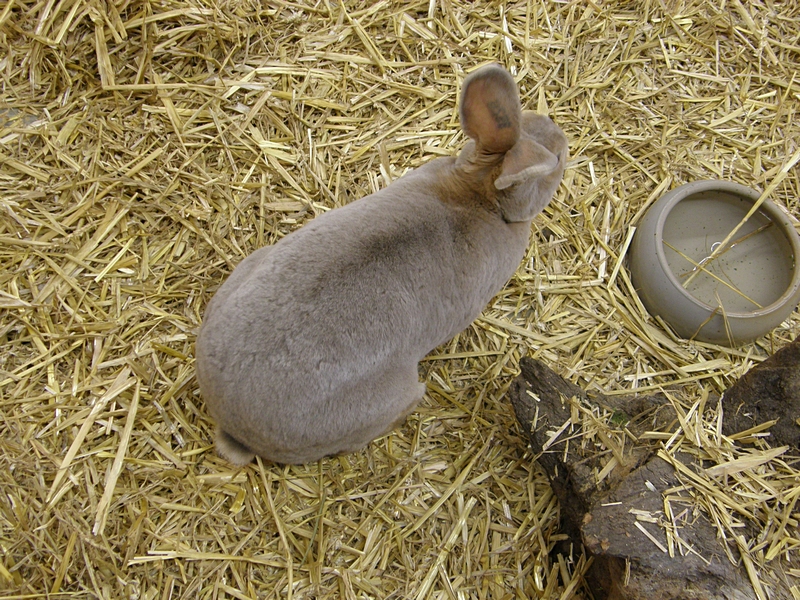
[773, 212]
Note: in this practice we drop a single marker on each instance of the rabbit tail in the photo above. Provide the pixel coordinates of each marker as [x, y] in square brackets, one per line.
[232, 450]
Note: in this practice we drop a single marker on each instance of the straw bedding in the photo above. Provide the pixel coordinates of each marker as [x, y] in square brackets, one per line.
[147, 147]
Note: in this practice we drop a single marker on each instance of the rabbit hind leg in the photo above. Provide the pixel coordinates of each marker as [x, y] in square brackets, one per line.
[232, 450]
[416, 398]
[408, 391]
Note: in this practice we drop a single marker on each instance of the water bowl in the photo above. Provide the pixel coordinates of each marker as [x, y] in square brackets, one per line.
[711, 277]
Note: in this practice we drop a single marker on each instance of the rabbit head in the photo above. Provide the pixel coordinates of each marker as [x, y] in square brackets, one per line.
[523, 154]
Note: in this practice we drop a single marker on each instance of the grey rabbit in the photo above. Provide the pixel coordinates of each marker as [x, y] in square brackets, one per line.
[311, 346]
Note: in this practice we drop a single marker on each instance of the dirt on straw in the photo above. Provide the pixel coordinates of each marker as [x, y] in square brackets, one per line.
[147, 147]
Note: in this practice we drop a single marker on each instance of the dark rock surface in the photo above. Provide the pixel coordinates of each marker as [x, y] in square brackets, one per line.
[602, 518]
[769, 391]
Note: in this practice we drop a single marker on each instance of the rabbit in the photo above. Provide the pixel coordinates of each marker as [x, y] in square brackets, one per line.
[311, 347]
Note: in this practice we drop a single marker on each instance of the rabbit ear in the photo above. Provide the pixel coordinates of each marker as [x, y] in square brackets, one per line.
[490, 109]
[526, 160]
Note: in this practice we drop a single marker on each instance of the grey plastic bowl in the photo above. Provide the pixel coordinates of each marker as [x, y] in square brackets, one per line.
[660, 287]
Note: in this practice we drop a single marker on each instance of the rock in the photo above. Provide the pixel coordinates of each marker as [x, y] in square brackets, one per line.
[627, 564]
[769, 391]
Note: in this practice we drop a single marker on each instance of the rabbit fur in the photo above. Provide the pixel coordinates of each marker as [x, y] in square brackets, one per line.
[311, 346]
